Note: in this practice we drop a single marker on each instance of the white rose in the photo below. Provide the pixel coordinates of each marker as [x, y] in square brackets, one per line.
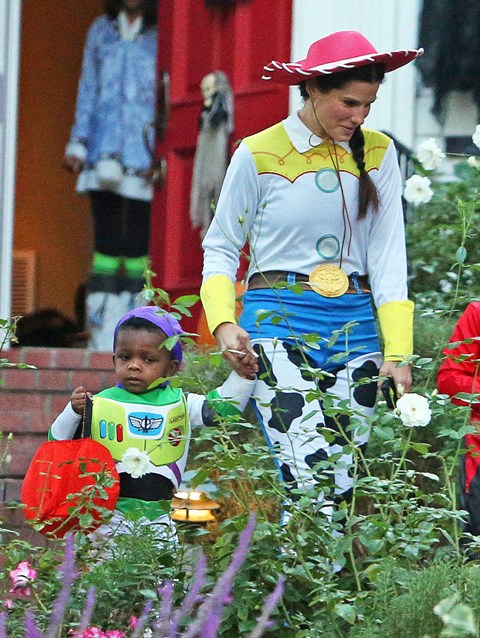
[445, 285]
[429, 154]
[476, 136]
[417, 190]
[473, 161]
[135, 463]
[413, 410]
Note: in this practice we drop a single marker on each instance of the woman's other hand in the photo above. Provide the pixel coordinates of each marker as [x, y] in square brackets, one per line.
[402, 375]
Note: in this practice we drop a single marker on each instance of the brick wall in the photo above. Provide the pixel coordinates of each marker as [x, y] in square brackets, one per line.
[31, 399]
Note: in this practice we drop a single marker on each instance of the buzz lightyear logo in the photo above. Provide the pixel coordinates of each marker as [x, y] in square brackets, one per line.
[145, 425]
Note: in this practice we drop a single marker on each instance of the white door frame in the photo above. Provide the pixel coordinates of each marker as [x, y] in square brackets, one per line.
[10, 29]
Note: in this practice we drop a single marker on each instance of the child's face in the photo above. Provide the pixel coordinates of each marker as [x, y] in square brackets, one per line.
[139, 360]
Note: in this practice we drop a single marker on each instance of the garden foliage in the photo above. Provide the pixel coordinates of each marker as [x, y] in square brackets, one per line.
[391, 561]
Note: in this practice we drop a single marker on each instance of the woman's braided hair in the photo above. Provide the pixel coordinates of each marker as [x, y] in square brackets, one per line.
[372, 73]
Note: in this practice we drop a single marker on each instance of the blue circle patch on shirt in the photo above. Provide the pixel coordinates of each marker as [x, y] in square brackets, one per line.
[327, 180]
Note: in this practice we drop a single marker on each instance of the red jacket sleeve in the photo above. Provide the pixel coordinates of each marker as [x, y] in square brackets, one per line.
[463, 375]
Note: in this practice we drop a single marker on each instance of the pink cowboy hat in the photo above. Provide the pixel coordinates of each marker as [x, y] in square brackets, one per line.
[337, 52]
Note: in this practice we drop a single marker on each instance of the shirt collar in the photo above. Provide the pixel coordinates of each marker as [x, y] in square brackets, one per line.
[301, 136]
[129, 30]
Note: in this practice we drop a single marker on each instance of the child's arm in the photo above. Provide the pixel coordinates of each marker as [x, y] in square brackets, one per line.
[66, 423]
[230, 398]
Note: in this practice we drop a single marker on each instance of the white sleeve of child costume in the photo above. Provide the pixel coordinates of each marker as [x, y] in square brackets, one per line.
[238, 389]
[230, 398]
[64, 426]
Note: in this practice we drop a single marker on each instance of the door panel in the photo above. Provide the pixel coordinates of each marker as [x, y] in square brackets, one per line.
[194, 41]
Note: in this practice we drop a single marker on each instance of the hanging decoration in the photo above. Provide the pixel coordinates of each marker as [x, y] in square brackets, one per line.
[211, 155]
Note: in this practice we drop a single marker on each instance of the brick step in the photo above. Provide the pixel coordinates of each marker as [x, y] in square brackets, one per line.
[54, 380]
[30, 400]
[14, 526]
[60, 358]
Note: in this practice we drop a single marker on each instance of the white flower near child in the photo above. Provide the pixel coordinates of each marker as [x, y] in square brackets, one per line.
[476, 136]
[413, 410]
[429, 154]
[417, 190]
[135, 463]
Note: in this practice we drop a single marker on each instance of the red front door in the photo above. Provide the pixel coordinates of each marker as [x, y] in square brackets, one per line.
[197, 37]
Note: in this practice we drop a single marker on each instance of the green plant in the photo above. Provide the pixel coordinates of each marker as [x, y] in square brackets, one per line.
[389, 561]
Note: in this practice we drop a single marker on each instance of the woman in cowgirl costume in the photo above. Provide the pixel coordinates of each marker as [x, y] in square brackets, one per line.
[317, 198]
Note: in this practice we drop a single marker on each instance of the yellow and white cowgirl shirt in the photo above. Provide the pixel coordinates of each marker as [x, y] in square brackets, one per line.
[293, 198]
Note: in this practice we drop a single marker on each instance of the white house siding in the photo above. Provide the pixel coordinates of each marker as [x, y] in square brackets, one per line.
[404, 105]
[9, 58]
[460, 117]
[389, 25]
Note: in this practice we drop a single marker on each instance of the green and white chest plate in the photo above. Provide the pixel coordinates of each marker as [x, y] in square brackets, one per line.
[162, 431]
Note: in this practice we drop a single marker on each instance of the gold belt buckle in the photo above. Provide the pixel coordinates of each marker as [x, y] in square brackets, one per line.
[328, 280]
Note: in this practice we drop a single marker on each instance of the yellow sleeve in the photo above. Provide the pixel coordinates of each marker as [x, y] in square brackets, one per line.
[218, 298]
[396, 323]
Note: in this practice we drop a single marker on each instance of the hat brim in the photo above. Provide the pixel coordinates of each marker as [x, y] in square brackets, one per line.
[296, 72]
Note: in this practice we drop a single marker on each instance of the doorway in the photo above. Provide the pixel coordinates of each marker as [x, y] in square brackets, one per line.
[52, 227]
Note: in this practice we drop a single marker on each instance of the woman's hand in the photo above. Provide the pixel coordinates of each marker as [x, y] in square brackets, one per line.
[235, 346]
[402, 375]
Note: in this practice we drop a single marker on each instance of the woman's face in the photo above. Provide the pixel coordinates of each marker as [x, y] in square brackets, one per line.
[336, 114]
[132, 5]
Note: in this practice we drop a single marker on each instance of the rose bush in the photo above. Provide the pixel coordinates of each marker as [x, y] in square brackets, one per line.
[443, 232]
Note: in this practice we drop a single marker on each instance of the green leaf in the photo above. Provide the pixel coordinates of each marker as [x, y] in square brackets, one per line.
[461, 254]
[200, 477]
[385, 433]
[372, 544]
[347, 612]
[187, 300]
[429, 475]
[421, 448]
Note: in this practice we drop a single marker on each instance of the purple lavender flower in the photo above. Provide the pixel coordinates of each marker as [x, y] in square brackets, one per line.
[3, 623]
[68, 573]
[270, 603]
[210, 612]
[142, 621]
[87, 610]
[192, 598]
[31, 629]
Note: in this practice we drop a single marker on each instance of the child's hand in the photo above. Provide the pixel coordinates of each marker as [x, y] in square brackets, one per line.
[79, 399]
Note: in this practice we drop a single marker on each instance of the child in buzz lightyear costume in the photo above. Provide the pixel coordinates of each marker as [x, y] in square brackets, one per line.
[144, 422]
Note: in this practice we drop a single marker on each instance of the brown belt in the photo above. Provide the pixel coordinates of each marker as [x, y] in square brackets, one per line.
[271, 277]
